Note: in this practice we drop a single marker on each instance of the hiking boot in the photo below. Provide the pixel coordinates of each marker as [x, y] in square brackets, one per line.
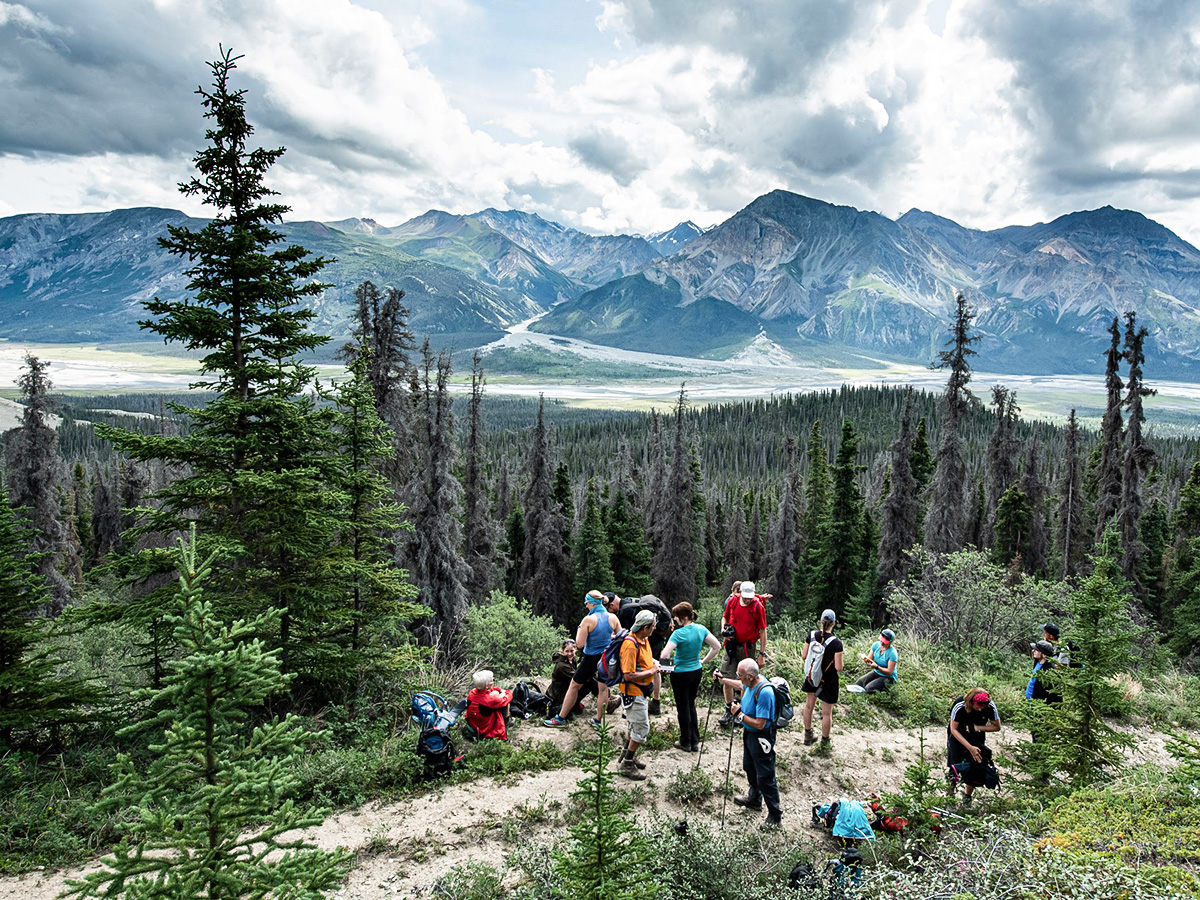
[594, 722]
[555, 722]
[679, 745]
[774, 821]
[747, 803]
[808, 737]
[655, 708]
[614, 703]
[630, 768]
[968, 799]
[726, 720]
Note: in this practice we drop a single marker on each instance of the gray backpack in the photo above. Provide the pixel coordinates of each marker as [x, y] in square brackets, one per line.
[813, 668]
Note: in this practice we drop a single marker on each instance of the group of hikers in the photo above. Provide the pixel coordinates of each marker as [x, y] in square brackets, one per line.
[623, 647]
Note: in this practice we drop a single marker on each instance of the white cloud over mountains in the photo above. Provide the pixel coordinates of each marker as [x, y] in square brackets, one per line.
[991, 113]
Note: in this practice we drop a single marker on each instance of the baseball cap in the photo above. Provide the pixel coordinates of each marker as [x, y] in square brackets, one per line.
[829, 616]
[980, 697]
[887, 635]
[747, 589]
[1051, 629]
[644, 618]
[1044, 647]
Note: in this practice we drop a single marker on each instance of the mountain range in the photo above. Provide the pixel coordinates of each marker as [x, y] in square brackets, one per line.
[823, 282]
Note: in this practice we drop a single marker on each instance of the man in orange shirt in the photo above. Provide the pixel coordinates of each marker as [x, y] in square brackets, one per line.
[638, 669]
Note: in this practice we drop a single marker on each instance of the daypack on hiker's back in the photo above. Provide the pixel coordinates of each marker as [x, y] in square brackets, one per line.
[813, 668]
[608, 669]
[784, 711]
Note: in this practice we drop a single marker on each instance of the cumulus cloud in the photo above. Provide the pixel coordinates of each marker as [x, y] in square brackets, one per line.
[988, 113]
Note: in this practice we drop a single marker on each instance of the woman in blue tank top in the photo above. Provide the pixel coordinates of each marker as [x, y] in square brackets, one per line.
[602, 632]
[598, 626]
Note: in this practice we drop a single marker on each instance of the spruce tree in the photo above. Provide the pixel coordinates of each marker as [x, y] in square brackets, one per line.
[923, 465]
[216, 798]
[33, 696]
[607, 856]
[480, 530]
[564, 497]
[544, 579]
[631, 554]
[654, 497]
[1001, 457]
[261, 456]
[1138, 453]
[81, 514]
[901, 508]
[737, 541]
[1013, 517]
[1108, 474]
[513, 549]
[676, 557]
[33, 469]
[1154, 531]
[840, 569]
[593, 553]
[1186, 520]
[699, 517]
[1037, 547]
[944, 522]
[1072, 534]
[785, 534]
[438, 568]
[816, 512]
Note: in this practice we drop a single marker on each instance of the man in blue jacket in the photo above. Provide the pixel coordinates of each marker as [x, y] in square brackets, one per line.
[756, 714]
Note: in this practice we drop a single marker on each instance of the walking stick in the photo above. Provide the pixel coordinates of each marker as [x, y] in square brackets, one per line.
[728, 766]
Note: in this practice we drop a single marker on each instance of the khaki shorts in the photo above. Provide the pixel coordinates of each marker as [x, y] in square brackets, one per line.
[637, 713]
[730, 661]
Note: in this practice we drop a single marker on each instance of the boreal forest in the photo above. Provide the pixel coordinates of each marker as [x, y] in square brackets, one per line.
[216, 607]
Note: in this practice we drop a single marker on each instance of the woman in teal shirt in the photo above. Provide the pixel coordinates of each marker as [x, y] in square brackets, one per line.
[883, 660]
[687, 640]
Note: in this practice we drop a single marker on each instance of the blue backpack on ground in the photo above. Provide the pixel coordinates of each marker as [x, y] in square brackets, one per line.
[435, 717]
[608, 669]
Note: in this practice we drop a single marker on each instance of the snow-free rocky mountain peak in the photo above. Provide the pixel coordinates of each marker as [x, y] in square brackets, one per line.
[792, 273]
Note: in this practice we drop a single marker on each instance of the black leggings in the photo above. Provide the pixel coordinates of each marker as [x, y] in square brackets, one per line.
[873, 682]
[685, 686]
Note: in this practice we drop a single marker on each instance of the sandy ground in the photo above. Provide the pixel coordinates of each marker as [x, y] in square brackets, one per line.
[402, 848]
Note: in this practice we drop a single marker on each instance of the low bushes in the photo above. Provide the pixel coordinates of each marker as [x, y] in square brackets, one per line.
[509, 639]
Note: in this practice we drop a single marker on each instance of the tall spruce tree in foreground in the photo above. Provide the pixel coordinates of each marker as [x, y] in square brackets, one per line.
[816, 512]
[33, 470]
[437, 565]
[481, 531]
[1108, 476]
[677, 555]
[263, 478]
[1072, 535]
[607, 856]
[944, 523]
[217, 797]
[1001, 457]
[1138, 453]
[33, 695]
[544, 578]
[839, 572]
[631, 554]
[901, 509]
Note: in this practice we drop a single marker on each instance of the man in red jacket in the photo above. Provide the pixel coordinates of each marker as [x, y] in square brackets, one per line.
[487, 707]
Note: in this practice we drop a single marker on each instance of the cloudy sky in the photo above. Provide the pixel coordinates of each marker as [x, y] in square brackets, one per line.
[618, 115]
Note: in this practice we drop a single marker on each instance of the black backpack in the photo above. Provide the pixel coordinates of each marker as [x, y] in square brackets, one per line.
[528, 701]
[434, 746]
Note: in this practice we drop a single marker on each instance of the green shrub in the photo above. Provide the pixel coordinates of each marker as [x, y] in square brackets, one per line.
[470, 881]
[690, 787]
[509, 639]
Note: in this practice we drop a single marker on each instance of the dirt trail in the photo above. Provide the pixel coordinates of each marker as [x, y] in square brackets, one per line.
[402, 848]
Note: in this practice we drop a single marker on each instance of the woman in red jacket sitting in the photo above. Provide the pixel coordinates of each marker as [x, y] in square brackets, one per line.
[487, 707]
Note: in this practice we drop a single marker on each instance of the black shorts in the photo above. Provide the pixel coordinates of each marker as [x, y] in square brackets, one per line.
[826, 691]
[586, 670]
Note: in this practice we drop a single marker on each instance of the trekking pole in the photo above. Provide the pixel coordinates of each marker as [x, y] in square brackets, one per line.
[728, 766]
[707, 715]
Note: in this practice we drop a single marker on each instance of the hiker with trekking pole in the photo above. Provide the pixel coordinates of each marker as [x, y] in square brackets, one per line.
[755, 712]
[684, 646]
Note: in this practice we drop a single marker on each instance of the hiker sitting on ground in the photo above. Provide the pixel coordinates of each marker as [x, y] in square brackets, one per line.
[756, 714]
[560, 679]
[687, 640]
[883, 661]
[822, 654]
[638, 669]
[487, 707]
[972, 716]
[592, 637]
[743, 624]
